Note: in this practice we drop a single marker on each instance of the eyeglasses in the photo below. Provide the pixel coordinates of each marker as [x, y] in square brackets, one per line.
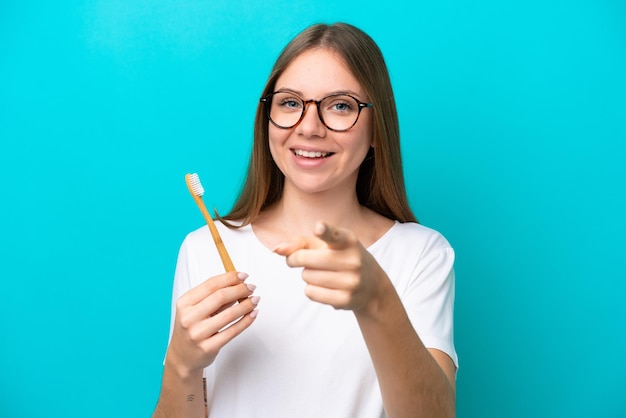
[338, 112]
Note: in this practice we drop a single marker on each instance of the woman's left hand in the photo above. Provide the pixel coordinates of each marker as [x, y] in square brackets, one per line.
[337, 269]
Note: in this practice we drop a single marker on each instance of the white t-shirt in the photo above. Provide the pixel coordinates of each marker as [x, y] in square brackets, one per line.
[304, 359]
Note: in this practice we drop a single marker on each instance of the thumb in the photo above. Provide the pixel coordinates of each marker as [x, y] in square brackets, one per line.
[289, 247]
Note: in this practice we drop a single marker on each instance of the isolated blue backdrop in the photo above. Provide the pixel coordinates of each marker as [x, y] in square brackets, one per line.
[512, 118]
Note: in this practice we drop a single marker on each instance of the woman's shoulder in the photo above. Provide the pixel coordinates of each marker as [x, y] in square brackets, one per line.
[414, 234]
[202, 235]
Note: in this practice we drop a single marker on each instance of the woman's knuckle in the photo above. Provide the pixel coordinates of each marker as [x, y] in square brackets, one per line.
[180, 304]
[231, 315]
[291, 260]
[220, 296]
[353, 261]
[194, 335]
[309, 291]
[185, 321]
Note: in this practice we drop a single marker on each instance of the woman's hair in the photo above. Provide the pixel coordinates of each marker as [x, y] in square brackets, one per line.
[380, 183]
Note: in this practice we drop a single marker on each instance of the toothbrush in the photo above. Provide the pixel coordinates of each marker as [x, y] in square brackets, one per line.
[197, 191]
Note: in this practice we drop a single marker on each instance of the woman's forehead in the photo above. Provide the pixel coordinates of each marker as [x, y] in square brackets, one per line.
[318, 72]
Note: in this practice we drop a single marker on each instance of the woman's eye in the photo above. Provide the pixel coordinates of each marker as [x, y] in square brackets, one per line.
[341, 106]
[290, 104]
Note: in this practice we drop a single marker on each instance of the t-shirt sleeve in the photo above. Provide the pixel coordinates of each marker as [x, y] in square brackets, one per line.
[429, 298]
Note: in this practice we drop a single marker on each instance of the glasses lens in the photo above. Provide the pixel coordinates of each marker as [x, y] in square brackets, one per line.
[339, 112]
[286, 109]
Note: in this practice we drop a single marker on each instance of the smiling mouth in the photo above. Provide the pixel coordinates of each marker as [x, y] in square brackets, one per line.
[311, 154]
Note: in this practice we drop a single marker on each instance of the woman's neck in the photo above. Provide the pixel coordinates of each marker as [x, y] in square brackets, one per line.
[297, 213]
[304, 210]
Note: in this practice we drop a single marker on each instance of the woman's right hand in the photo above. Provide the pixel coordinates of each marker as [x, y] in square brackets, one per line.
[207, 318]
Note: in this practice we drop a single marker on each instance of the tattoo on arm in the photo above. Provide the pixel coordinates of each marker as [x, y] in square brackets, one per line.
[191, 397]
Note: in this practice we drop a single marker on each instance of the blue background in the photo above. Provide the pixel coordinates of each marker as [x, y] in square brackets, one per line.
[512, 117]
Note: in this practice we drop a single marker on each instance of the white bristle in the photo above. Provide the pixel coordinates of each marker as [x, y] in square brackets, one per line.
[196, 186]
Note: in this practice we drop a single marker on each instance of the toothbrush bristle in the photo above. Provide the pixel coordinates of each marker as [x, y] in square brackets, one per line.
[196, 186]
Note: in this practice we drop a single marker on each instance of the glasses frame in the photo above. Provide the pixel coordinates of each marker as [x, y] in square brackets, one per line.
[267, 101]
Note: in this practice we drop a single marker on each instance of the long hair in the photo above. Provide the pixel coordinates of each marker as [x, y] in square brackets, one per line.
[380, 182]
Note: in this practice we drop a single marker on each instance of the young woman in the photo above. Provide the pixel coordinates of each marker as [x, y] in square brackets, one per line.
[356, 316]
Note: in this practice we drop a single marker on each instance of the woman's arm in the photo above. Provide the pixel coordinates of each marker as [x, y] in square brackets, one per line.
[201, 328]
[414, 381]
[181, 395]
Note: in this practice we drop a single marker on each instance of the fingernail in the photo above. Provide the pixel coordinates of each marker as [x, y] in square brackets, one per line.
[278, 248]
[254, 313]
[255, 300]
[242, 276]
[320, 228]
[251, 287]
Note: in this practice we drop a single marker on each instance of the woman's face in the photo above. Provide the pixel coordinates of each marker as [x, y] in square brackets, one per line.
[312, 157]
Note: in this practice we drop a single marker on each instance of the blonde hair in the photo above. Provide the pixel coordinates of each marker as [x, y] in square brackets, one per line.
[380, 183]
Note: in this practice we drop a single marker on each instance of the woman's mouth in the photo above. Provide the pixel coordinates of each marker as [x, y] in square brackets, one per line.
[311, 154]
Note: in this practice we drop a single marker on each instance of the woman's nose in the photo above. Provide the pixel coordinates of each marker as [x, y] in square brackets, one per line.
[311, 123]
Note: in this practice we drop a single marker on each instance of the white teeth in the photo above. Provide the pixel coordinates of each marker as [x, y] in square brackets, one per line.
[311, 154]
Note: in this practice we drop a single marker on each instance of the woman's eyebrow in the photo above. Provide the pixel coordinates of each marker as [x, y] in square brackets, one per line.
[288, 90]
[342, 91]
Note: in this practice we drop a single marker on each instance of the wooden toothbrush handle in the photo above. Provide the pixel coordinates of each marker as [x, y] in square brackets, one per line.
[221, 248]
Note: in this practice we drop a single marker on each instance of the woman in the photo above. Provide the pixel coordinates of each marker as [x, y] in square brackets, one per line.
[322, 221]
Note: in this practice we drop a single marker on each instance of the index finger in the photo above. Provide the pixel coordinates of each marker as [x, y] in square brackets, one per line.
[209, 286]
